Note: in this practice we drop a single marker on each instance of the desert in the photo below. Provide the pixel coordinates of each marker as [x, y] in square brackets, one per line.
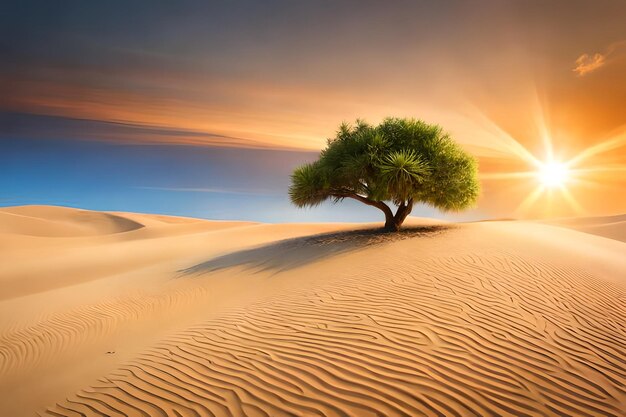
[346, 208]
[128, 314]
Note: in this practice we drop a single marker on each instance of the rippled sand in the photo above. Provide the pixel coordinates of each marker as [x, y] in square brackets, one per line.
[115, 314]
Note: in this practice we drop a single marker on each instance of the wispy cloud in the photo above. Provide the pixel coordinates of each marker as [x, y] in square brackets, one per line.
[25, 125]
[587, 63]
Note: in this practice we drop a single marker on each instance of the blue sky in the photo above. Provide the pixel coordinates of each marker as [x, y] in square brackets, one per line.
[195, 181]
[205, 182]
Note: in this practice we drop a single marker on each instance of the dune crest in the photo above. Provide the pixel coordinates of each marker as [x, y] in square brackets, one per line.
[44, 221]
[612, 227]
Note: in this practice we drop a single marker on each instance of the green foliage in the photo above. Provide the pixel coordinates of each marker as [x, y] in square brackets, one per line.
[403, 171]
[308, 186]
[400, 160]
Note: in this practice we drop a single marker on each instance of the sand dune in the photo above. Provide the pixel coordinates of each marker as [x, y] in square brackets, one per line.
[182, 317]
[612, 227]
[62, 222]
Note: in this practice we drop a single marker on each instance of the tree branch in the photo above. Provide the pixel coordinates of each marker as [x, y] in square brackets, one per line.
[378, 204]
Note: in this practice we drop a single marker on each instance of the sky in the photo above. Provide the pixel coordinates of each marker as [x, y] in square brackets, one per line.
[204, 108]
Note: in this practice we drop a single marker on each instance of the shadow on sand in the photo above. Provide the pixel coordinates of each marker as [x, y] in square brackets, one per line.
[292, 253]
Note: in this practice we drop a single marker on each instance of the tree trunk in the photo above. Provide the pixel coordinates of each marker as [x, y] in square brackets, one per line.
[390, 223]
[394, 222]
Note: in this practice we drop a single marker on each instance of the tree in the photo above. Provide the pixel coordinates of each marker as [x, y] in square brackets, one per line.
[402, 161]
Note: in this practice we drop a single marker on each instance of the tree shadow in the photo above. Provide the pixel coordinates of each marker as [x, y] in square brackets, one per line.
[292, 253]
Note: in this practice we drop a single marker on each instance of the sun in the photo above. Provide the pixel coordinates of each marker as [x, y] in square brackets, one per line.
[553, 174]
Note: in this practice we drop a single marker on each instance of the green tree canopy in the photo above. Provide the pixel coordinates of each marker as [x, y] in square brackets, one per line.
[401, 161]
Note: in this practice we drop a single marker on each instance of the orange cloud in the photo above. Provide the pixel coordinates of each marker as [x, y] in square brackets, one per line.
[587, 63]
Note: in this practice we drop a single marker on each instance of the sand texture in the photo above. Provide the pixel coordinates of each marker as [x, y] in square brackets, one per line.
[118, 314]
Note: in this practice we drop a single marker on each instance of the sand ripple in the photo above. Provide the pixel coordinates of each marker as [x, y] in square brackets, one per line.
[466, 335]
